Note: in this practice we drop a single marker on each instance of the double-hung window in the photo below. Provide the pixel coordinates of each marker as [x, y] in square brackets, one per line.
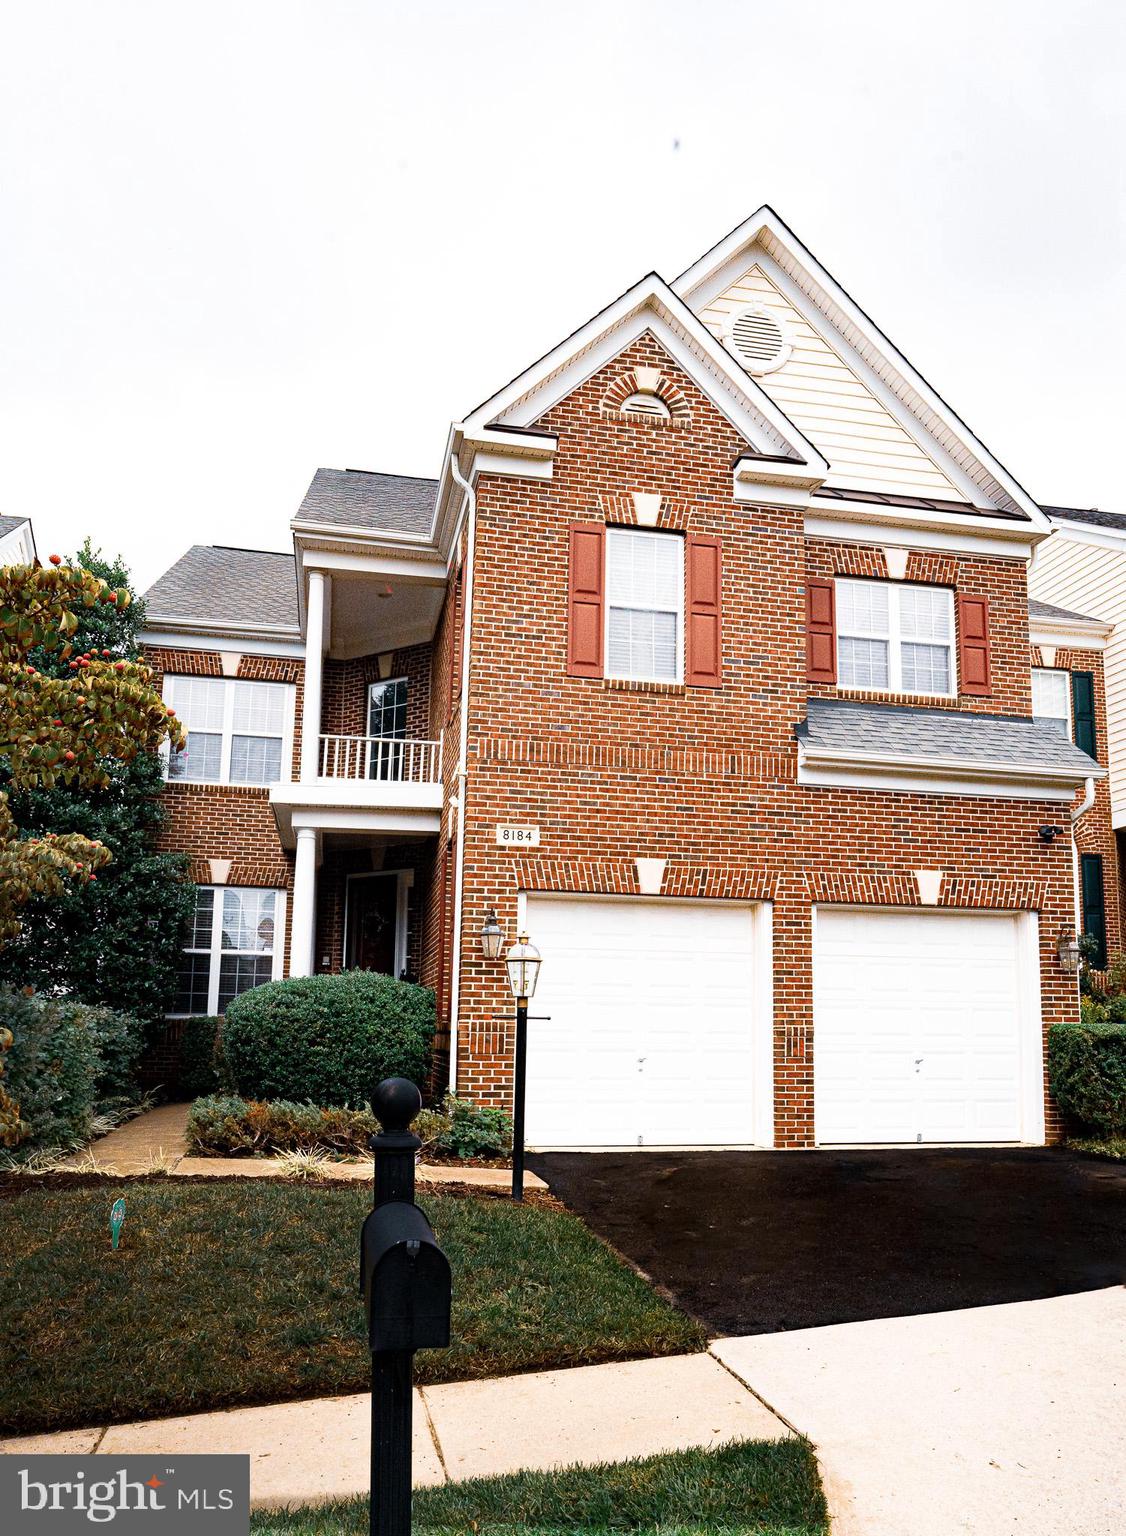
[895, 637]
[1051, 698]
[233, 944]
[645, 605]
[239, 732]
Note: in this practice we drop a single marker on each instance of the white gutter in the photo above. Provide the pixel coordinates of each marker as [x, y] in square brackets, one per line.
[458, 800]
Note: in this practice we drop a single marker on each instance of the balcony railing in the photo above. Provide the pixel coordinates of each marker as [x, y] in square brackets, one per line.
[398, 759]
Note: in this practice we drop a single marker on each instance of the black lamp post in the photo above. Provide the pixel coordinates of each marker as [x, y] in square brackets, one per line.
[523, 964]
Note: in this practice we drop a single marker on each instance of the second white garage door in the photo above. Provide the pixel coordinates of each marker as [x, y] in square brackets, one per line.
[656, 1018]
[926, 1027]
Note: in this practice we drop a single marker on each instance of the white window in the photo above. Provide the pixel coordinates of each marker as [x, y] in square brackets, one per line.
[645, 605]
[239, 732]
[895, 637]
[1051, 698]
[234, 943]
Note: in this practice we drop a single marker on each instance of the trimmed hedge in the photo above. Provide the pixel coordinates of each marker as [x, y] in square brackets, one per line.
[1087, 1073]
[224, 1125]
[51, 1069]
[328, 1040]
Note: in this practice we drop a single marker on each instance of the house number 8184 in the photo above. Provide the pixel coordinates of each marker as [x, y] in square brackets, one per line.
[518, 837]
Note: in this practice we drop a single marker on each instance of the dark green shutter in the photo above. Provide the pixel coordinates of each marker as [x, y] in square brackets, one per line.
[1083, 711]
[1094, 910]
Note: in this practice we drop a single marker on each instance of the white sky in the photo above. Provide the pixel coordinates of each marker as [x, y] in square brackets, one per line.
[240, 240]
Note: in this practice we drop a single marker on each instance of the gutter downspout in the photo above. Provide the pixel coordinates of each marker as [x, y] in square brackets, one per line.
[458, 800]
[1081, 809]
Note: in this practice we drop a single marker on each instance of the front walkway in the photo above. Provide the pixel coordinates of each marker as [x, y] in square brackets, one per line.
[305, 1452]
[155, 1143]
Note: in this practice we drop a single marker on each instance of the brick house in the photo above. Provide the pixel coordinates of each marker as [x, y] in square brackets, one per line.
[709, 661]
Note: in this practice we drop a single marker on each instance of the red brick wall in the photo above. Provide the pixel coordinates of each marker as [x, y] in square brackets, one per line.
[703, 778]
[344, 702]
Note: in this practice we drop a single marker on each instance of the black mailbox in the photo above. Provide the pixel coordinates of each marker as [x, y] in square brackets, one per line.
[404, 1279]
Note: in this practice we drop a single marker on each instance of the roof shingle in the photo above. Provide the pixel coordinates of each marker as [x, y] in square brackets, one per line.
[360, 498]
[1093, 515]
[931, 735]
[1039, 610]
[221, 585]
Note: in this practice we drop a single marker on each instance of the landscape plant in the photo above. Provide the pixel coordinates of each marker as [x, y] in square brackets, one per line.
[1087, 1073]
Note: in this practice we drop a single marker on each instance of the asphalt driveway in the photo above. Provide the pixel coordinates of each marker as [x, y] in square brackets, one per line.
[757, 1242]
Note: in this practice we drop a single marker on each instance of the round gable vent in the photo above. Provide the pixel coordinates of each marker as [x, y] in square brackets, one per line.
[757, 339]
[642, 403]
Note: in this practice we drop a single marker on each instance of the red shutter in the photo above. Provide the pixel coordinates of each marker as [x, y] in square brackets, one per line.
[703, 666]
[585, 599]
[973, 643]
[820, 631]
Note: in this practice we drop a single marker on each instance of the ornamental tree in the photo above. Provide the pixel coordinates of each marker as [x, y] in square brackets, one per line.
[64, 723]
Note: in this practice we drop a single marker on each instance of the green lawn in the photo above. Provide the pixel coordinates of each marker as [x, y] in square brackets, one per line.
[233, 1292]
[770, 1487]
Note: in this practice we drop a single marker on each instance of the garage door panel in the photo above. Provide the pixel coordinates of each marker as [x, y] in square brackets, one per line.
[917, 1026]
[621, 981]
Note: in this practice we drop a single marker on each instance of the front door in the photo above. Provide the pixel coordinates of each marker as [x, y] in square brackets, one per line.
[372, 907]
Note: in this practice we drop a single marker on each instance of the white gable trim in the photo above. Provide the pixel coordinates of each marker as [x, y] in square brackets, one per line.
[649, 305]
[720, 266]
[1090, 533]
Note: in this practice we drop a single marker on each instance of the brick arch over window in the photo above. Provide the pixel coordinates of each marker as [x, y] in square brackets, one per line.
[647, 381]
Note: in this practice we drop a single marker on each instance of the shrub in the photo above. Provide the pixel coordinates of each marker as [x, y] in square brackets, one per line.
[328, 1040]
[201, 1065]
[1087, 1072]
[1091, 1011]
[118, 1040]
[471, 1131]
[50, 1070]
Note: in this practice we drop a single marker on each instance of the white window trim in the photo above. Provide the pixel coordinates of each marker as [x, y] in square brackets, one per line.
[228, 732]
[895, 641]
[217, 951]
[633, 677]
[384, 682]
[1066, 717]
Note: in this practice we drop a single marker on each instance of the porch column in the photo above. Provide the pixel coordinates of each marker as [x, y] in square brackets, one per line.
[316, 643]
[304, 920]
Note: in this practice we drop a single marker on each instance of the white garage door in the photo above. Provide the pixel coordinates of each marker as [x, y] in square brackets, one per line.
[925, 1027]
[651, 1036]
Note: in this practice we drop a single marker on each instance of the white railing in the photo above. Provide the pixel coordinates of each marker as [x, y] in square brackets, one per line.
[398, 759]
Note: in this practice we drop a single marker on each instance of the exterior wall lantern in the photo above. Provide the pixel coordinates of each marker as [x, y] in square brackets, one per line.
[523, 965]
[492, 937]
[1067, 948]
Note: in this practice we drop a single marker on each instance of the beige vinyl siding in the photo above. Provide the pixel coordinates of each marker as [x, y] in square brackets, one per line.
[1091, 579]
[865, 445]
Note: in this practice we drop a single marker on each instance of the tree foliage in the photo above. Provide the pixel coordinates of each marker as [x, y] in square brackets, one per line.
[71, 716]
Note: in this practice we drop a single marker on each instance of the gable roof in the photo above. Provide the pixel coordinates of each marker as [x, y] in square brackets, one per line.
[10, 524]
[367, 499]
[215, 584]
[1039, 610]
[650, 306]
[803, 276]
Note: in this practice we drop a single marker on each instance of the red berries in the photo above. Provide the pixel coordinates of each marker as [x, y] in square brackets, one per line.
[69, 756]
[112, 597]
[107, 654]
[119, 666]
[55, 559]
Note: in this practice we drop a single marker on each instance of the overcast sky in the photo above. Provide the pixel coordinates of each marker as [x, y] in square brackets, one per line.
[240, 240]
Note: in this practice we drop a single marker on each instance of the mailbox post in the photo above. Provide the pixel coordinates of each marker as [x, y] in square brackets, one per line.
[405, 1283]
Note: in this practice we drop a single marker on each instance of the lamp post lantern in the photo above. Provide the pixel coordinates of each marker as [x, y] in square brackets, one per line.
[523, 965]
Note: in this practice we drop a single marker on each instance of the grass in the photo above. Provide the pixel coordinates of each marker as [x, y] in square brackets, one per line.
[770, 1487]
[1113, 1147]
[238, 1292]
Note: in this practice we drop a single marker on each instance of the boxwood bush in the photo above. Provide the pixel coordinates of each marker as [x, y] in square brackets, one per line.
[202, 1067]
[1087, 1072]
[51, 1069]
[328, 1040]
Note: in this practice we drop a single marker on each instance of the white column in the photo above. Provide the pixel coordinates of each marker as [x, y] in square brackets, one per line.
[316, 614]
[304, 918]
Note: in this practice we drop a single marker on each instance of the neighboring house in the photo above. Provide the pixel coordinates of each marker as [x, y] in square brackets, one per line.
[17, 542]
[1083, 566]
[705, 661]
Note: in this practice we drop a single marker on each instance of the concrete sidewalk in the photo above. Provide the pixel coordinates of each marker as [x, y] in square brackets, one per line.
[155, 1142]
[995, 1421]
[310, 1451]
